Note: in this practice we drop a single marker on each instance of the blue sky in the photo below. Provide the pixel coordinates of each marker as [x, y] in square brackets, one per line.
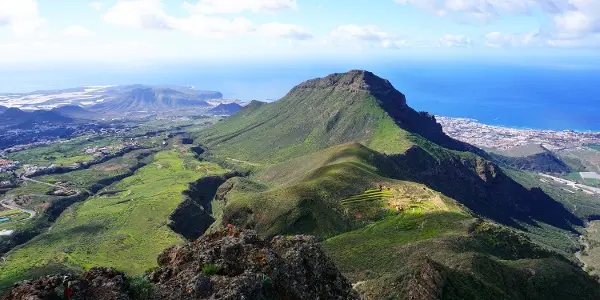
[138, 31]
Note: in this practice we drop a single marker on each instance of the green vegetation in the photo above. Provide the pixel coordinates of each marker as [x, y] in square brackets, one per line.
[368, 196]
[395, 198]
[586, 159]
[280, 132]
[404, 211]
[7, 213]
[209, 269]
[125, 228]
[417, 253]
[66, 153]
[581, 204]
[590, 255]
[140, 288]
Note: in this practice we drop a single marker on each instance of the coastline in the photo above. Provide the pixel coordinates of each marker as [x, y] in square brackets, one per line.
[514, 127]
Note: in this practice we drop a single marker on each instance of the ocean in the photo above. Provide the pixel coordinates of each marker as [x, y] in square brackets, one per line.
[538, 96]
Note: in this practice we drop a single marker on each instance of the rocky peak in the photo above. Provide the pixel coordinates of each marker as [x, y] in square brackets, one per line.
[356, 81]
[238, 264]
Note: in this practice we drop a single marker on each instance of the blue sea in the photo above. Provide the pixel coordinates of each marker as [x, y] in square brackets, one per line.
[540, 96]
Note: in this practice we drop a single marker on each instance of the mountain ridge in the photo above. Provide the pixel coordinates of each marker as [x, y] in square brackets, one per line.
[150, 98]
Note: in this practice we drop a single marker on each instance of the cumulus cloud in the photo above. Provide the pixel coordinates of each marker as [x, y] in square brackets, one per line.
[369, 34]
[451, 40]
[22, 16]
[77, 31]
[149, 14]
[571, 19]
[238, 6]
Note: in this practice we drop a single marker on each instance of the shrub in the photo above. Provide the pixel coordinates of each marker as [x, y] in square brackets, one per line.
[140, 288]
[209, 269]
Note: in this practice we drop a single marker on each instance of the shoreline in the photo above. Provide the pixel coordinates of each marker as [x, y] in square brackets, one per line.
[587, 131]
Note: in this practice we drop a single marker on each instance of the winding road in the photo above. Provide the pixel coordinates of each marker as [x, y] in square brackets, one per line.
[32, 213]
[4, 204]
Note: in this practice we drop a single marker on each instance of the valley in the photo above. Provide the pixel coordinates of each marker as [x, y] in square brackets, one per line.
[402, 209]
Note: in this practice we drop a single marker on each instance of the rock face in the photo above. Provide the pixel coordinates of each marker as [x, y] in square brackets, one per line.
[356, 81]
[229, 264]
[97, 283]
[237, 264]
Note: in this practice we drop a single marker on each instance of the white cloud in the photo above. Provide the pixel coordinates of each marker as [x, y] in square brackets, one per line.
[149, 14]
[139, 14]
[369, 34]
[96, 5]
[288, 31]
[571, 19]
[77, 31]
[22, 16]
[450, 40]
[238, 6]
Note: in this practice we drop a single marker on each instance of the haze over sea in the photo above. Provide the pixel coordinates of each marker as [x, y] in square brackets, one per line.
[539, 96]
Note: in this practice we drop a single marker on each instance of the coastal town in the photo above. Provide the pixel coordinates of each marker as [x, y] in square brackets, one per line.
[502, 138]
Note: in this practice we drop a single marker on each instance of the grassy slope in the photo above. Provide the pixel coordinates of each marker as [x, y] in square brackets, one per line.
[318, 194]
[453, 256]
[311, 193]
[62, 153]
[278, 131]
[126, 230]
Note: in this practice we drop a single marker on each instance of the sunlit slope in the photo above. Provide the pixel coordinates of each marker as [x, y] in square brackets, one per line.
[324, 193]
[351, 107]
[449, 255]
[126, 228]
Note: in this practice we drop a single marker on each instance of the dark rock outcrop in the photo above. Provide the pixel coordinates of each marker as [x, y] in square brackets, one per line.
[97, 284]
[237, 264]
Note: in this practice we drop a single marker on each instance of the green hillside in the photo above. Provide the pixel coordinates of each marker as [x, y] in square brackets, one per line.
[123, 227]
[352, 107]
[344, 158]
[404, 211]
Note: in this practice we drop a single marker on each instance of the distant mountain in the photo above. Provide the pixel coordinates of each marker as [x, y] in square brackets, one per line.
[3, 109]
[88, 96]
[150, 99]
[22, 119]
[226, 109]
[323, 112]
[401, 206]
[74, 111]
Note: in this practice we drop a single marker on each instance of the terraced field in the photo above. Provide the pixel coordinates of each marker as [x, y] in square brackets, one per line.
[368, 196]
[8, 213]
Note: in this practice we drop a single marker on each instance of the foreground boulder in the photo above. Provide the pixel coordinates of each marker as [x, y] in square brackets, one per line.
[228, 264]
[97, 283]
[237, 264]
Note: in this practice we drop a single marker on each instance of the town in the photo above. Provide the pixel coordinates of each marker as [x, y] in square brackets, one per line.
[503, 138]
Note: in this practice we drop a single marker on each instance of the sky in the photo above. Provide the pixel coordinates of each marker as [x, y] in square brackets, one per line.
[140, 31]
